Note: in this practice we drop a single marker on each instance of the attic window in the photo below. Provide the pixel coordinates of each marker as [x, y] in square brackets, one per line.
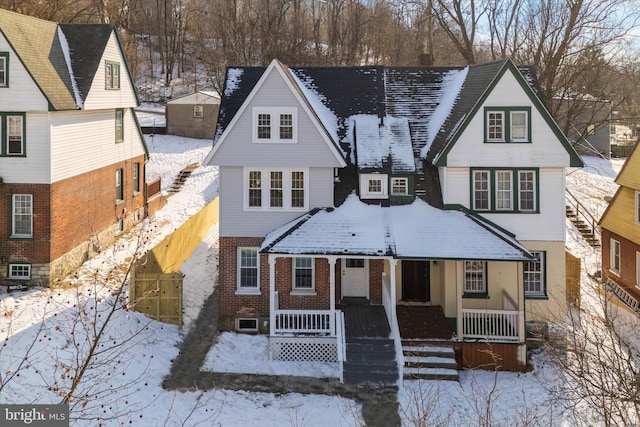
[374, 186]
[508, 124]
[112, 75]
[278, 125]
[4, 69]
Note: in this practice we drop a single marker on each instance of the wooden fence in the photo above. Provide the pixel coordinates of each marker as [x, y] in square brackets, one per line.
[159, 296]
[156, 282]
[573, 279]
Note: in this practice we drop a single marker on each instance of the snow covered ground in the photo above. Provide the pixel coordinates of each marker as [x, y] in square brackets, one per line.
[123, 387]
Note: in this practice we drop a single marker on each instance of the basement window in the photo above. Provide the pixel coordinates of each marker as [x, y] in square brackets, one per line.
[247, 325]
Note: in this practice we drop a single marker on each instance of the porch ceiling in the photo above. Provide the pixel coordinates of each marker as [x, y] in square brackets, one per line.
[417, 230]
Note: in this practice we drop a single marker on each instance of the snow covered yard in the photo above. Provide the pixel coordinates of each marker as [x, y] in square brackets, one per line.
[123, 386]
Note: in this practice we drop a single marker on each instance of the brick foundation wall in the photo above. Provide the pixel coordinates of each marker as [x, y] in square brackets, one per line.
[627, 274]
[376, 268]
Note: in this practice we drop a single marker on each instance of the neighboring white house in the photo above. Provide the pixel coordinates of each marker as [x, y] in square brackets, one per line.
[401, 187]
[72, 158]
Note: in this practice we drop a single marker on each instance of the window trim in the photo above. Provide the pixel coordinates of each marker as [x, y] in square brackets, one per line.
[5, 59]
[112, 80]
[4, 127]
[507, 128]
[15, 235]
[515, 190]
[274, 125]
[265, 189]
[247, 290]
[119, 125]
[488, 125]
[615, 256]
[119, 185]
[542, 259]
[637, 206]
[483, 293]
[474, 199]
[198, 111]
[366, 179]
[500, 191]
[294, 271]
[393, 185]
[136, 178]
[11, 276]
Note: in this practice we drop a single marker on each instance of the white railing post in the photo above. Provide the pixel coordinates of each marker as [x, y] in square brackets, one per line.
[491, 324]
[332, 294]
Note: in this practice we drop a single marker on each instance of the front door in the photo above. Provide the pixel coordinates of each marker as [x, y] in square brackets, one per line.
[355, 277]
[415, 281]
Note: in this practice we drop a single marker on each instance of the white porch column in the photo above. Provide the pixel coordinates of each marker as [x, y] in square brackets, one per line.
[272, 294]
[459, 292]
[521, 307]
[392, 286]
[332, 294]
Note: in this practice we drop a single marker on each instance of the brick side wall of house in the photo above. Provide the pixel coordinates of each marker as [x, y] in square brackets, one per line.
[234, 306]
[85, 205]
[627, 274]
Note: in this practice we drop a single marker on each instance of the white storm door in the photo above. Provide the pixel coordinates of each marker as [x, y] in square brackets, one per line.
[355, 277]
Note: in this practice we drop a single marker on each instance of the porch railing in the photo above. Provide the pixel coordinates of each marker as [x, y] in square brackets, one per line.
[316, 322]
[490, 324]
[389, 308]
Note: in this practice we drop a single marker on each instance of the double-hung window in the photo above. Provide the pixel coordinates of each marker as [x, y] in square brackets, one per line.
[303, 274]
[614, 257]
[119, 125]
[22, 216]
[112, 75]
[119, 186]
[481, 189]
[136, 178]
[534, 276]
[275, 125]
[4, 69]
[504, 190]
[475, 278]
[15, 135]
[279, 189]
[198, 111]
[508, 124]
[248, 273]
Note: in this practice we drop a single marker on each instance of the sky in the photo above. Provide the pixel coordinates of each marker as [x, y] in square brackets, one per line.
[124, 384]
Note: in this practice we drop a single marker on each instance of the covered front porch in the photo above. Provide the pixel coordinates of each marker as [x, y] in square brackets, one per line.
[395, 257]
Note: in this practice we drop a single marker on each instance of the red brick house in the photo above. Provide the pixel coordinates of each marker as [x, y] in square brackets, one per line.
[72, 159]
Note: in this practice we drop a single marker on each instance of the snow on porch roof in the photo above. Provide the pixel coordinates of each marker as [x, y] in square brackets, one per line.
[417, 230]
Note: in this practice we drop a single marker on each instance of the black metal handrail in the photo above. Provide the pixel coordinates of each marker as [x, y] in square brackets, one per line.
[583, 213]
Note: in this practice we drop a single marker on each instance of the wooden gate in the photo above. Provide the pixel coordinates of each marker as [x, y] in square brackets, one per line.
[157, 295]
[573, 279]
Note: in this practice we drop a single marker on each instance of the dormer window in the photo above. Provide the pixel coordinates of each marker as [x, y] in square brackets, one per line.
[399, 186]
[275, 125]
[112, 75]
[373, 186]
[507, 124]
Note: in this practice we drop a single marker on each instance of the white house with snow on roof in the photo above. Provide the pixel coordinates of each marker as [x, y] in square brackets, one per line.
[400, 206]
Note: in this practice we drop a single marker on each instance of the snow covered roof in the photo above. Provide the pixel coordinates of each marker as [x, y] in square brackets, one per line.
[199, 97]
[417, 230]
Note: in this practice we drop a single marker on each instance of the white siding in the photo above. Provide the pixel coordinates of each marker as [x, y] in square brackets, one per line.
[236, 222]
[34, 168]
[22, 93]
[238, 149]
[99, 97]
[544, 150]
[82, 141]
[548, 225]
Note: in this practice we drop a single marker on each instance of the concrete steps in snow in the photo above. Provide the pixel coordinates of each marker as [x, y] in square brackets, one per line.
[430, 362]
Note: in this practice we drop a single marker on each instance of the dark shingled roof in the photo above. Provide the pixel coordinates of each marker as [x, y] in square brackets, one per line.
[414, 93]
[86, 45]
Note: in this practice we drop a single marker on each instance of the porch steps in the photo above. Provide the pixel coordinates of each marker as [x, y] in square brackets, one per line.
[430, 362]
[370, 361]
[583, 228]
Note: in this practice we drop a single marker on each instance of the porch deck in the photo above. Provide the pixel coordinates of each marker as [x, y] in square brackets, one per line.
[363, 320]
[422, 322]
